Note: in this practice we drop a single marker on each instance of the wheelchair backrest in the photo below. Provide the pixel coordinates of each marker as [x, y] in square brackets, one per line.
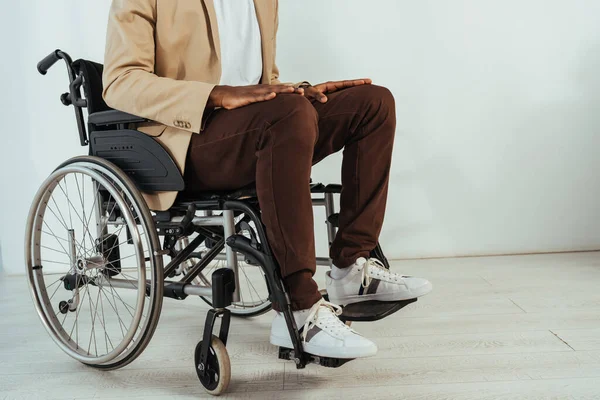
[92, 84]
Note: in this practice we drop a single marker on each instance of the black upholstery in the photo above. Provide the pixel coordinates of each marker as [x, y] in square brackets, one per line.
[140, 156]
[92, 85]
[113, 117]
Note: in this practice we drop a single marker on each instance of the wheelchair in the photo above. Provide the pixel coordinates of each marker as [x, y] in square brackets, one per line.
[94, 256]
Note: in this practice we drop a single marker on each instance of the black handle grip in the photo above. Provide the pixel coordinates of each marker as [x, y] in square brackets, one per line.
[44, 65]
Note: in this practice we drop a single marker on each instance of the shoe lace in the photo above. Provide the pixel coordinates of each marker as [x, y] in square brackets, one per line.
[374, 269]
[325, 315]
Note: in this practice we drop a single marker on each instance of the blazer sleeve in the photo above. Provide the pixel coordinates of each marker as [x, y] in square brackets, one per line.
[129, 80]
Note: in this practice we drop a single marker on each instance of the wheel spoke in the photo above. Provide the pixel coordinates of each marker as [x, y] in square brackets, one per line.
[250, 282]
[61, 219]
[116, 245]
[80, 300]
[122, 301]
[106, 337]
[76, 213]
[52, 234]
[93, 207]
[50, 248]
[114, 307]
[56, 262]
[55, 290]
[93, 319]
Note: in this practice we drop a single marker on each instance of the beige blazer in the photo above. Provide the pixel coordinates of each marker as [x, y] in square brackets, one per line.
[162, 61]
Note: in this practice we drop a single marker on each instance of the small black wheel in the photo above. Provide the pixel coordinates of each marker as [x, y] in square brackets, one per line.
[217, 369]
[63, 307]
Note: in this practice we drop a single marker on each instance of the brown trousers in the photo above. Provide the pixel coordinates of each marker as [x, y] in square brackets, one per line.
[275, 144]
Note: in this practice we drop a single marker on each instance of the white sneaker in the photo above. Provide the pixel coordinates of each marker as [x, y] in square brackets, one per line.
[370, 280]
[322, 333]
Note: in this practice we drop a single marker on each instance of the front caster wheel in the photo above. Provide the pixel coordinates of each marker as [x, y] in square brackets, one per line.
[215, 375]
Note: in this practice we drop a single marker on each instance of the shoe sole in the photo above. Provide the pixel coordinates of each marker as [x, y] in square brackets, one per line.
[330, 352]
[413, 294]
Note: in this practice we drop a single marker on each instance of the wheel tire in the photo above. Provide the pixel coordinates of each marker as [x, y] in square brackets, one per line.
[216, 381]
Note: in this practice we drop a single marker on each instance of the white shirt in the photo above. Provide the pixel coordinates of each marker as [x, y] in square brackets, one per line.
[241, 51]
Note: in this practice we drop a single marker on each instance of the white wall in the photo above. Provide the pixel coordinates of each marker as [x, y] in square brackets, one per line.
[497, 112]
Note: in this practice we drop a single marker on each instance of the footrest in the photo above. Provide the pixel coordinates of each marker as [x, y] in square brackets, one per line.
[288, 354]
[372, 310]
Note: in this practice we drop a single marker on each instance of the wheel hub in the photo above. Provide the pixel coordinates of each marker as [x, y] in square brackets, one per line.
[94, 262]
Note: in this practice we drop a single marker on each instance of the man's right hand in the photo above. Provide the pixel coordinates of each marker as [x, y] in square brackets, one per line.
[230, 97]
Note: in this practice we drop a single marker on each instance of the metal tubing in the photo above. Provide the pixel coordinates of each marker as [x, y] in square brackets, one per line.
[213, 220]
[72, 249]
[183, 254]
[116, 283]
[232, 262]
[324, 261]
[330, 210]
[207, 258]
[181, 244]
[193, 290]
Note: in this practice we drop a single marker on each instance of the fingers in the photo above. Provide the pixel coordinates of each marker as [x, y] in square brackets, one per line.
[260, 97]
[268, 92]
[275, 89]
[239, 96]
[314, 93]
[267, 96]
[329, 87]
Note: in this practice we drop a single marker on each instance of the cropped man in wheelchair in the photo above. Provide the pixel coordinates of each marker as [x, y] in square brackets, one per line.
[205, 74]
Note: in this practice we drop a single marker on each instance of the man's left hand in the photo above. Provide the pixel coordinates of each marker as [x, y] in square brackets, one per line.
[318, 92]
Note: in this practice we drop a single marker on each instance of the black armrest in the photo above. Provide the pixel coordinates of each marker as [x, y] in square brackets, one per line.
[113, 117]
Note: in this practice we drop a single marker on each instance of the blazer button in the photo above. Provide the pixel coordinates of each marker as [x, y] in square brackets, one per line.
[188, 125]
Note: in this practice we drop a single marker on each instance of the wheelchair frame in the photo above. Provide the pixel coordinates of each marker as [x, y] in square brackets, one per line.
[179, 222]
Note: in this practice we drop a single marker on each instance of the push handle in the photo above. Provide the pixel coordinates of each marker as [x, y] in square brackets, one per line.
[44, 65]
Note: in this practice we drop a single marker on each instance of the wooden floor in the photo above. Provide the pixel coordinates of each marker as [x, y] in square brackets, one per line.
[523, 327]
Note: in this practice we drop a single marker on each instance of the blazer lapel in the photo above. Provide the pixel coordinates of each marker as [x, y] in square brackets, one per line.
[214, 27]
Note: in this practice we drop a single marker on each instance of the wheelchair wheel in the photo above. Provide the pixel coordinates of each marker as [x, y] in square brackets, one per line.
[218, 369]
[94, 275]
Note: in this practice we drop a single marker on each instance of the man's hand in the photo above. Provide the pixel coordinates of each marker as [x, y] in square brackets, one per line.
[318, 92]
[230, 97]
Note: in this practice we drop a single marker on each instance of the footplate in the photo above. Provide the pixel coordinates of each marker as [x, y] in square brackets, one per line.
[288, 354]
[372, 310]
